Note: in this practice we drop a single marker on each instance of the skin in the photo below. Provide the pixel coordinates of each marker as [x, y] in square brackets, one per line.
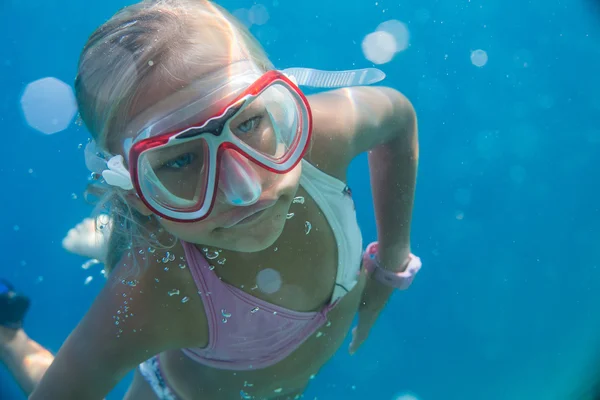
[347, 122]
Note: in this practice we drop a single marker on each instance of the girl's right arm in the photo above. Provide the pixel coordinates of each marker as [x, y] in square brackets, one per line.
[129, 322]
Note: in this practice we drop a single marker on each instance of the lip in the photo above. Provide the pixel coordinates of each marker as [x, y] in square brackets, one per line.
[236, 215]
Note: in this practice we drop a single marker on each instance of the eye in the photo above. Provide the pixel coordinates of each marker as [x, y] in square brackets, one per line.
[180, 162]
[250, 124]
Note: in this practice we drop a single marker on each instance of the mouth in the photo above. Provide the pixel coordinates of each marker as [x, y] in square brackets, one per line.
[246, 215]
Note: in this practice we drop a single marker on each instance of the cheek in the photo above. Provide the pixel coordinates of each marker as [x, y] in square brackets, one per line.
[285, 183]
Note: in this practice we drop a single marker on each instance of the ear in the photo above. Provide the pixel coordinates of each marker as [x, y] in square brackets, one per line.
[135, 202]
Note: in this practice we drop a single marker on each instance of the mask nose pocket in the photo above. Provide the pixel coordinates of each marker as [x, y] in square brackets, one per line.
[238, 181]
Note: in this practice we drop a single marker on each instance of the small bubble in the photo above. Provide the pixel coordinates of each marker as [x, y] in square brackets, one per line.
[80, 146]
[88, 280]
[222, 261]
[141, 251]
[118, 311]
[211, 255]
[479, 58]
[319, 334]
[278, 390]
[298, 200]
[89, 263]
[150, 63]
[245, 395]
[328, 324]
[151, 249]
[225, 314]
[166, 268]
[165, 260]
[16, 228]
[171, 256]
[312, 377]
[30, 171]
[205, 249]
[211, 267]
[182, 266]
[73, 196]
[254, 310]
[173, 292]
[224, 320]
[289, 216]
[132, 283]
[185, 299]
[116, 322]
[276, 248]
[307, 227]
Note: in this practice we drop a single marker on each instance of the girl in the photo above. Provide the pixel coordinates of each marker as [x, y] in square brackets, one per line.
[235, 254]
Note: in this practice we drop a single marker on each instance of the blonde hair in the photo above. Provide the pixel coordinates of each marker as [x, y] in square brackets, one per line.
[152, 41]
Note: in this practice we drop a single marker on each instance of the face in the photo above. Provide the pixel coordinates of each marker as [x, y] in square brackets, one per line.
[253, 226]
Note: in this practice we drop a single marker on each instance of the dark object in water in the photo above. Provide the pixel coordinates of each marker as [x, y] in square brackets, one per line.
[13, 306]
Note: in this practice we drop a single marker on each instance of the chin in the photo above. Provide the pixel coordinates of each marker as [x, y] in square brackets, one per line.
[252, 238]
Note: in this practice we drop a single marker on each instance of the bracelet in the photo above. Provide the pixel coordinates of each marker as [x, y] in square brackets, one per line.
[398, 280]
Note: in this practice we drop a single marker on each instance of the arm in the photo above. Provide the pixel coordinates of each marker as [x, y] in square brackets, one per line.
[100, 352]
[23, 357]
[382, 122]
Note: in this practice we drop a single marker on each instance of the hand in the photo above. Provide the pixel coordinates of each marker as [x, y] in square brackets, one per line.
[375, 297]
[87, 241]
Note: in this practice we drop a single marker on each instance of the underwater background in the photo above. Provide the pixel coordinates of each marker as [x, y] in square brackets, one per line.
[507, 207]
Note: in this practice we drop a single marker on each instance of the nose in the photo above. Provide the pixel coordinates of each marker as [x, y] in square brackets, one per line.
[238, 181]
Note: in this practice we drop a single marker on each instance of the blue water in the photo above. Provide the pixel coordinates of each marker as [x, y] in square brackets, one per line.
[506, 215]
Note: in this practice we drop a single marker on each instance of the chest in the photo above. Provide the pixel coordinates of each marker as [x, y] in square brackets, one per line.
[299, 270]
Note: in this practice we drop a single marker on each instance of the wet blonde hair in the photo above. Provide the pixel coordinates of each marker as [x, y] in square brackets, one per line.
[151, 41]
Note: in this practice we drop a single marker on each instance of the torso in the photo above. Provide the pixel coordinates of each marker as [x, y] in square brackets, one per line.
[310, 261]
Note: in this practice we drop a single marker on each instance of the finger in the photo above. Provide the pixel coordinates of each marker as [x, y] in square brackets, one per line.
[361, 331]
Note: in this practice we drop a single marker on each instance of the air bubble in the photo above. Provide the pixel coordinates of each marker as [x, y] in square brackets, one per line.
[254, 310]
[48, 105]
[211, 255]
[298, 200]
[222, 261]
[268, 280]
[307, 227]
[185, 299]
[225, 314]
[89, 263]
[173, 292]
[245, 395]
[479, 58]
[289, 216]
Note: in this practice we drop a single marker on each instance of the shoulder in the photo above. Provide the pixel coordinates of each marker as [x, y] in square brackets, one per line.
[135, 316]
[350, 121]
